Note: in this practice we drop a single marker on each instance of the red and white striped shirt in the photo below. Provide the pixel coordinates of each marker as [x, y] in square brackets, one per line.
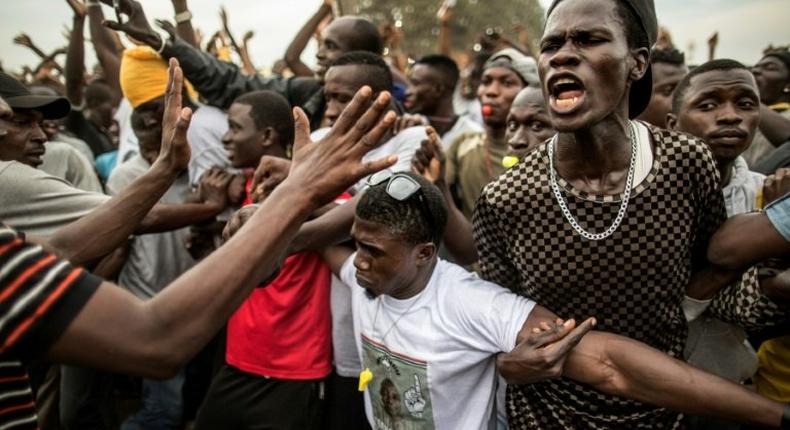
[40, 294]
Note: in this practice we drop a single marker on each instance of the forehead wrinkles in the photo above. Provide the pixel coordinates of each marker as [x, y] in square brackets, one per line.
[572, 16]
[722, 82]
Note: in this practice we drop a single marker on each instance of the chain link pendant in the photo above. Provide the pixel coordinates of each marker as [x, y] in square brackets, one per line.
[623, 204]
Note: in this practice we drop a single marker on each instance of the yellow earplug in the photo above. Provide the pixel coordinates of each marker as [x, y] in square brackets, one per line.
[509, 161]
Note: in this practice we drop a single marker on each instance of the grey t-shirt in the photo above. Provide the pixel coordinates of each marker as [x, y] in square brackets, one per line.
[66, 162]
[38, 203]
[154, 260]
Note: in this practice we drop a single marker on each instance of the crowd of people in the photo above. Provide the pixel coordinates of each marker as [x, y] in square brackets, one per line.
[590, 235]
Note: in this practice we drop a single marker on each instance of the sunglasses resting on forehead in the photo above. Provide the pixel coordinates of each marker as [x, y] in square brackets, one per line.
[402, 187]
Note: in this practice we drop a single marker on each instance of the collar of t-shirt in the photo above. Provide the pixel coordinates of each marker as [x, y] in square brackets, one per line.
[644, 154]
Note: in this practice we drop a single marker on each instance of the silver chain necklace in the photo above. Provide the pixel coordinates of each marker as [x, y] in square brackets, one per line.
[623, 204]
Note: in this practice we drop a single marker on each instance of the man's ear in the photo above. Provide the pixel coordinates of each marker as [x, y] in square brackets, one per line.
[268, 137]
[425, 253]
[642, 61]
[439, 88]
[672, 121]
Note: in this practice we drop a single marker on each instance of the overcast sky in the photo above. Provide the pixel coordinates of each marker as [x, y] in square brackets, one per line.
[745, 26]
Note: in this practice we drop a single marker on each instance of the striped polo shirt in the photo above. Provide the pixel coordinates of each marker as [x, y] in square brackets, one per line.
[40, 294]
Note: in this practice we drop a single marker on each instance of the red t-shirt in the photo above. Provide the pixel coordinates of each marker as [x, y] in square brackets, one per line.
[284, 330]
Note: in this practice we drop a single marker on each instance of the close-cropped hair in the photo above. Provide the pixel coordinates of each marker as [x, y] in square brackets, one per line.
[406, 219]
[269, 109]
[379, 77]
[714, 65]
[445, 65]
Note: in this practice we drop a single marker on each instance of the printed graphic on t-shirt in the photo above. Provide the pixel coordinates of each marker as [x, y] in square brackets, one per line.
[399, 390]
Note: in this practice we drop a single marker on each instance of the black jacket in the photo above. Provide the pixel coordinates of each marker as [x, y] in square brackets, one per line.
[219, 83]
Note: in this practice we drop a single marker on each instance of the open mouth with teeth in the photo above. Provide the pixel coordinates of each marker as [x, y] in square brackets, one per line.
[565, 94]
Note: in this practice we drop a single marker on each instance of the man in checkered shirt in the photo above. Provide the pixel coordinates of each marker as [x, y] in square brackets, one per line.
[595, 69]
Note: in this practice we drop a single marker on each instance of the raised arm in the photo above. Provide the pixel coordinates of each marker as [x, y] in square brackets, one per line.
[444, 15]
[246, 64]
[104, 44]
[244, 53]
[23, 39]
[75, 57]
[115, 331]
[110, 224]
[624, 367]
[218, 82]
[183, 20]
[429, 161]
[336, 256]
[294, 52]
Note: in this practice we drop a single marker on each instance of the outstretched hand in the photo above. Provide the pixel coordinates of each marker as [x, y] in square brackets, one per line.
[136, 25]
[168, 27]
[542, 354]
[24, 40]
[175, 151]
[324, 169]
[429, 159]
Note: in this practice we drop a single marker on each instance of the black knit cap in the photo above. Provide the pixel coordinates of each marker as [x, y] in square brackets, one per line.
[641, 90]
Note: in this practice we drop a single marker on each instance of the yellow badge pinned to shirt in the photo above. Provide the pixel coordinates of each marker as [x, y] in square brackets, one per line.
[365, 377]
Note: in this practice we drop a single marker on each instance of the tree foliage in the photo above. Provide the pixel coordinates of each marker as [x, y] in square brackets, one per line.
[470, 19]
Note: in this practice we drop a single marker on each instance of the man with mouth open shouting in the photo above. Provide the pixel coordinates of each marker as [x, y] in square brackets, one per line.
[610, 217]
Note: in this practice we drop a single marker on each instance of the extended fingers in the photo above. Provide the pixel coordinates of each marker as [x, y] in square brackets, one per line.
[373, 117]
[301, 129]
[433, 138]
[374, 166]
[373, 138]
[548, 333]
[353, 111]
[422, 157]
[575, 336]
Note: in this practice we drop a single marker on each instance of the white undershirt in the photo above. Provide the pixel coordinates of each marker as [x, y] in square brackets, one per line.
[644, 153]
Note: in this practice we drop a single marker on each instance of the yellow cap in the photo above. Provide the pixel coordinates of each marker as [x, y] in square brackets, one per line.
[144, 75]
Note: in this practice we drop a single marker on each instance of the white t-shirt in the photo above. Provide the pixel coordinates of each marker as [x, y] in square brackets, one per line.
[433, 355]
[464, 124]
[344, 351]
[66, 162]
[155, 260]
[740, 194]
[205, 133]
[128, 146]
[404, 145]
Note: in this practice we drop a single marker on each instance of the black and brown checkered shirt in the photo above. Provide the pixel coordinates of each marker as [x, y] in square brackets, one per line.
[632, 282]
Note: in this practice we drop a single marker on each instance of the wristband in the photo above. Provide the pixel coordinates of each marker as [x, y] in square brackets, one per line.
[183, 17]
[162, 46]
